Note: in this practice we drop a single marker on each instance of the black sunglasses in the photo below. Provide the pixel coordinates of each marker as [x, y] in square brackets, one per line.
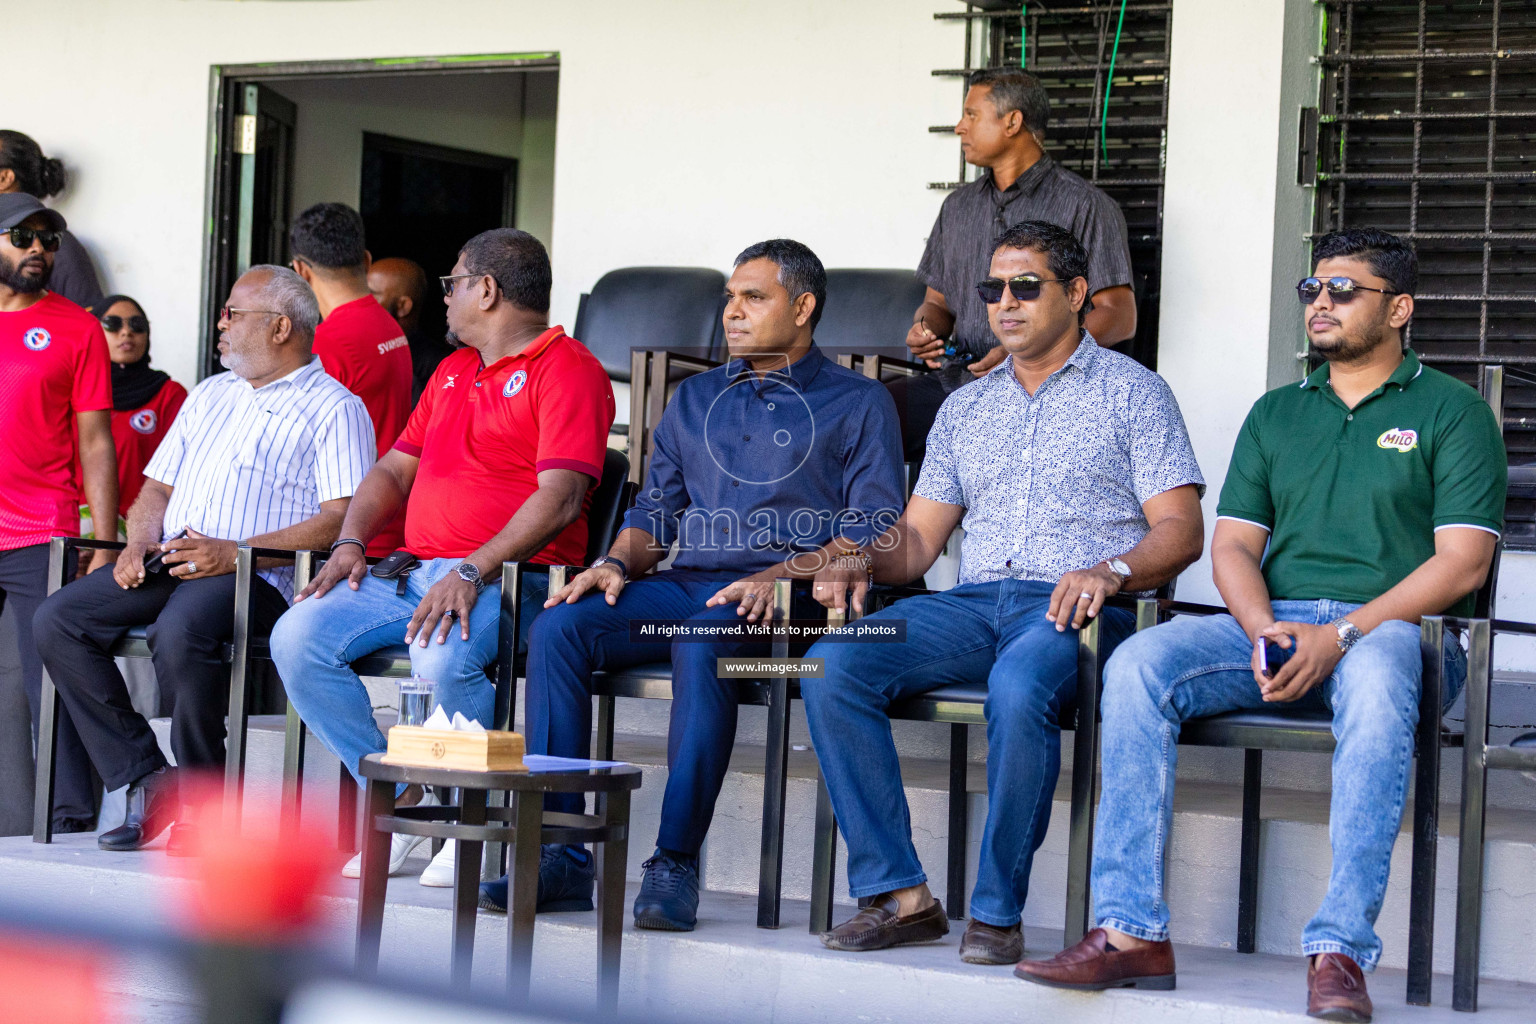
[22, 238]
[1024, 287]
[136, 324]
[1340, 289]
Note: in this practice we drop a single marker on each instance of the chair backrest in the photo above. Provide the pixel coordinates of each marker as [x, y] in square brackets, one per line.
[869, 310]
[611, 499]
[674, 308]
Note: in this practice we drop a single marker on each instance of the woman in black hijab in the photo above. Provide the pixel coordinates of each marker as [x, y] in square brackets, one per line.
[144, 400]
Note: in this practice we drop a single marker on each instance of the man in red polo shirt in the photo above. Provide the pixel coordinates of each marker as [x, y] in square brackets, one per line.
[499, 460]
[55, 384]
[358, 342]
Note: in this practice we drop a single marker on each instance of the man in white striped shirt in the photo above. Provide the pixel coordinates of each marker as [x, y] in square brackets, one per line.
[268, 454]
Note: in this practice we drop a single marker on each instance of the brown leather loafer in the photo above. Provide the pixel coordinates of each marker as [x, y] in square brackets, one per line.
[1336, 990]
[877, 927]
[1091, 966]
[987, 944]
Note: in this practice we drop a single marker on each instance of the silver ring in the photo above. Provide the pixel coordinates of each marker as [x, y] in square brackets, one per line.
[1085, 596]
[191, 568]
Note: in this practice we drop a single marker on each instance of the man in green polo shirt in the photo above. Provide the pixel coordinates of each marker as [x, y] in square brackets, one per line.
[1377, 487]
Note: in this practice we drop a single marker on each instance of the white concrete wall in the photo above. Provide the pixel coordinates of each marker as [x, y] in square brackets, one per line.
[687, 128]
[483, 113]
[1224, 131]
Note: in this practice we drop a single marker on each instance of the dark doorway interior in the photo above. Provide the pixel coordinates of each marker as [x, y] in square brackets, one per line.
[423, 202]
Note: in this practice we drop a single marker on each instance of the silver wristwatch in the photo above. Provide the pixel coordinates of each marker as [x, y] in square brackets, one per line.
[469, 572]
[1349, 634]
[1119, 568]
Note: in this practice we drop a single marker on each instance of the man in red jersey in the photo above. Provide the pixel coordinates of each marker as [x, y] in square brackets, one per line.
[358, 342]
[499, 461]
[55, 384]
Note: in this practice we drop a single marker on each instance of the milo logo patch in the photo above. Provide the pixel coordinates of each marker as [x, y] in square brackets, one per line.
[1399, 438]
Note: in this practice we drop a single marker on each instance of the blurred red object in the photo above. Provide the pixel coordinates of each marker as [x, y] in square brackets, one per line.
[255, 882]
[41, 980]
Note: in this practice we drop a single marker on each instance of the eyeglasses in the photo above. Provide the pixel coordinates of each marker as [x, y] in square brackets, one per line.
[22, 238]
[447, 282]
[136, 324]
[1025, 287]
[228, 312]
[1340, 289]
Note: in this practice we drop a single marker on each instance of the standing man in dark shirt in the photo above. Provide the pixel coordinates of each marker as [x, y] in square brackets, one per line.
[357, 342]
[765, 467]
[400, 285]
[1001, 129]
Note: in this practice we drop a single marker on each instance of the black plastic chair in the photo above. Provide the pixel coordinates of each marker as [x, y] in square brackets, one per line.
[662, 308]
[869, 311]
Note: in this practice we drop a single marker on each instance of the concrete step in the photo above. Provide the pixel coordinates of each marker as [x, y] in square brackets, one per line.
[1203, 855]
[725, 970]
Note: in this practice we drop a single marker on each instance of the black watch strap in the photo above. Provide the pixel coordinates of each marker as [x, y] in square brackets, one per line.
[610, 560]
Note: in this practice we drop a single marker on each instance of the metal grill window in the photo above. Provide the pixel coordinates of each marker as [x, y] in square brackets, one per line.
[1070, 46]
[1426, 124]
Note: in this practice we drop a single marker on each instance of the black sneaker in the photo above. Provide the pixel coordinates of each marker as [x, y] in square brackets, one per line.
[669, 893]
[565, 883]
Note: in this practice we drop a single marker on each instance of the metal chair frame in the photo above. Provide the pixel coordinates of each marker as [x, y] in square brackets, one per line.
[1478, 756]
[240, 652]
[654, 682]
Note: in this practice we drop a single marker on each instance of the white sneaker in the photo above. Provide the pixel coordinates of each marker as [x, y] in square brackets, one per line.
[400, 846]
[439, 873]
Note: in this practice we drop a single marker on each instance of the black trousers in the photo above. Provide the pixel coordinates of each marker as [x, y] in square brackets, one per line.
[23, 585]
[918, 398]
[189, 623]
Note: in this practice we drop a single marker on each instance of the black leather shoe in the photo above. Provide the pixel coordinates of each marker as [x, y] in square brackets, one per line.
[183, 841]
[152, 806]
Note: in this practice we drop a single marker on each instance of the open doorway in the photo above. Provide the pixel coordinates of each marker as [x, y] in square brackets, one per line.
[430, 151]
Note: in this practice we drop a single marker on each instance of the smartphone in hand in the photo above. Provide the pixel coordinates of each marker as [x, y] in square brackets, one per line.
[156, 561]
[1272, 655]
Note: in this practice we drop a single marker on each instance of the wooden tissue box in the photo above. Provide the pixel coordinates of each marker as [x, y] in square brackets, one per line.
[490, 751]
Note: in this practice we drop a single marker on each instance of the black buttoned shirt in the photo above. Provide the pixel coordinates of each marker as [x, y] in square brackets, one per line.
[959, 250]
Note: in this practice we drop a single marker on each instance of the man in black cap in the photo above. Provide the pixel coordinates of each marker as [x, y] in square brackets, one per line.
[55, 385]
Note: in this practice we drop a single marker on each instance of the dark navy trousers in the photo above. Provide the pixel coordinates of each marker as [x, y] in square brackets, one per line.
[571, 641]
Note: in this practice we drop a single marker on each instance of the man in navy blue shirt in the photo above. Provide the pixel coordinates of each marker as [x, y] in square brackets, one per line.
[766, 467]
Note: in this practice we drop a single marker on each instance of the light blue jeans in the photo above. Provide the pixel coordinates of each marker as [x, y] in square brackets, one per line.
[1195, 666]
[993, 633]
[316, 641]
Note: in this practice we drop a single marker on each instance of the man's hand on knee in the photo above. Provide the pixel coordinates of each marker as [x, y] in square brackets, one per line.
[451, 597]
[347, 562]
[607, 578]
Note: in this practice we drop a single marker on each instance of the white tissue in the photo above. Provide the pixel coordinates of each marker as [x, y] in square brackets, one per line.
[439, 720]
[462, 724]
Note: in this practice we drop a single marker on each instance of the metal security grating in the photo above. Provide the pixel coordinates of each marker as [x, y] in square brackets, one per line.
[1119, 146]
[1427, 128]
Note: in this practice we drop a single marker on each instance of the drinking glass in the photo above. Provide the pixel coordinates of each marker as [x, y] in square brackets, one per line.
[416, 703]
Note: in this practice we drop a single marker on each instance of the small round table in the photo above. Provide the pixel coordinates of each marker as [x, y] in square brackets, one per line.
[529, 827]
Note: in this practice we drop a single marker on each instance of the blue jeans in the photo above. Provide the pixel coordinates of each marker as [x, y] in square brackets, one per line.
[571, 641]
[1192, 667]
[316, 641]
[993, 633]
